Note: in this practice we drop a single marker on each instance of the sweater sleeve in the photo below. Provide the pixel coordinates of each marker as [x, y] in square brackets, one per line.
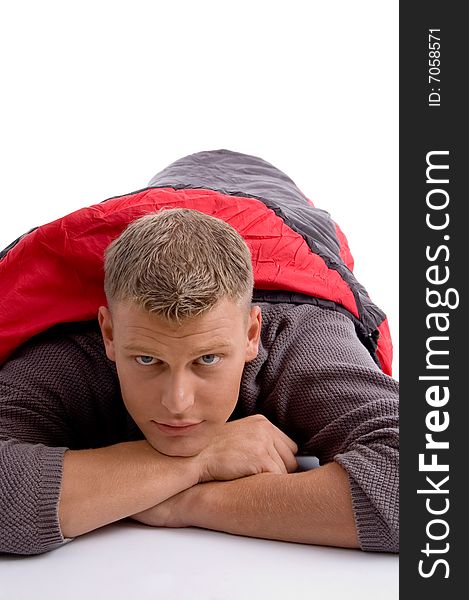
[42, 388]
[326, 393]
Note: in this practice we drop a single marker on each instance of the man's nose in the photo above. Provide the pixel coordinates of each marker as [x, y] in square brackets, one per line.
[178, 395]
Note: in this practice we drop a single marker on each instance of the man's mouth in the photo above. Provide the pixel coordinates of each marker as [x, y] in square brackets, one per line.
[177, 427]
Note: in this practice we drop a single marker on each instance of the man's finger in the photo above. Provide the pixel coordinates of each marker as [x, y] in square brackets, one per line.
[286, 454]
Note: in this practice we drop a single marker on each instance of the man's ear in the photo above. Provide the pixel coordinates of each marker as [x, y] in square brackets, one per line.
[253, 333]
[105, 323]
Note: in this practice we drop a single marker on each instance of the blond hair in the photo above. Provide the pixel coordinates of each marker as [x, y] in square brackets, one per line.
[178, 263]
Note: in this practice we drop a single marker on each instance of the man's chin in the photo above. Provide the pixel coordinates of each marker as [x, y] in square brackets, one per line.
[175, 447]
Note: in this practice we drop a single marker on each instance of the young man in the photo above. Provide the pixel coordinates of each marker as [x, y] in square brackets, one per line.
[186, 401]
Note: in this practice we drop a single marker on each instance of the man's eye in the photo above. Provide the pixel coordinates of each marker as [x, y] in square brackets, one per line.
[145, 360]
[209, 359]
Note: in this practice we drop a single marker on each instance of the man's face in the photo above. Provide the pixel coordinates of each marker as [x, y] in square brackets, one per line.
[174, 375]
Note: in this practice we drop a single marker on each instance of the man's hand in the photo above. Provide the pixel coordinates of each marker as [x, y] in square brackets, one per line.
[245, 447]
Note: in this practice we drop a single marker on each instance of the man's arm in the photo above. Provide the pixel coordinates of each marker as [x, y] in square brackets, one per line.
[312, 507]
[328, 395]
[104, 485]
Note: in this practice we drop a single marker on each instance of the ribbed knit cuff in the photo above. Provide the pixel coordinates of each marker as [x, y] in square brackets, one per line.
[49, 534]
[374, 534]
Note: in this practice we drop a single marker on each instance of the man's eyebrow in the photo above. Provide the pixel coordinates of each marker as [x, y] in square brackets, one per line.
[135, 348]
[200, 351]
[210, 348]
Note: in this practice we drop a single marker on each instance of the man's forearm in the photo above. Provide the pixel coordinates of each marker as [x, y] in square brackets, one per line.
[104, 485]
[312, 507]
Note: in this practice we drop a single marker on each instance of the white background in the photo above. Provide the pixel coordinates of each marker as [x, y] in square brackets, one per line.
[99, 96]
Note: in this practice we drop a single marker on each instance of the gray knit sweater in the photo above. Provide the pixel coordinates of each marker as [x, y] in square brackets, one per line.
[312, 378]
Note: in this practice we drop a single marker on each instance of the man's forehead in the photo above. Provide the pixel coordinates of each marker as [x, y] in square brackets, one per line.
[219, 335]
[218, 323]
